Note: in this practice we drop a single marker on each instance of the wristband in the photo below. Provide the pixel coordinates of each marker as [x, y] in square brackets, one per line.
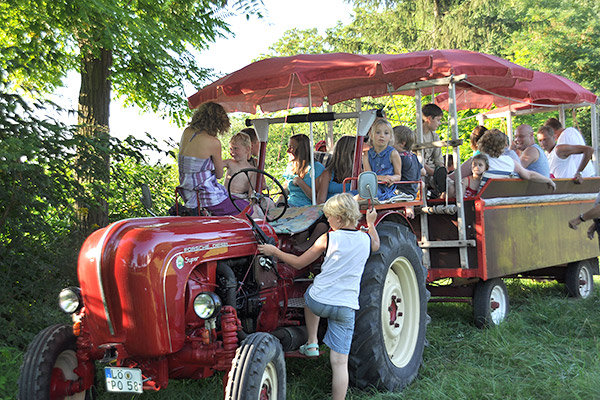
[581, 218]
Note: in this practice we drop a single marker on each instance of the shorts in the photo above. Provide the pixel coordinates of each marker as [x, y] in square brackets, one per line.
[226, 207]
[340, 324]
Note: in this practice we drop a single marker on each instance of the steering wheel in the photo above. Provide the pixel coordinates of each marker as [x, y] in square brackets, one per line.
[265, 199]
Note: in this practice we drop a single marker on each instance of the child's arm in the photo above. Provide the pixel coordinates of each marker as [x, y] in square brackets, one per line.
[299, 262]
[371, 217]
[322, 184]
[397, 163]
[365, 162]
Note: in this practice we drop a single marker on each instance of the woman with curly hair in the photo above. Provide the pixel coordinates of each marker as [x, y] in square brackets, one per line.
[200, 162]
[493, 143]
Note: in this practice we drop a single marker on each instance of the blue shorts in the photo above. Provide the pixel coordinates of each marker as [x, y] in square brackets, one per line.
[340, 324]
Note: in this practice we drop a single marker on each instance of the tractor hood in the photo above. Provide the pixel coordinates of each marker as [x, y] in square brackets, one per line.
[133, 276]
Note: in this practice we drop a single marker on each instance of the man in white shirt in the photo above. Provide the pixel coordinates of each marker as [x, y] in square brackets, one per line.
[566, 160]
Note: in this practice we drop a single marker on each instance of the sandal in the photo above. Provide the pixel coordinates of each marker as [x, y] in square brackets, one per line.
[309, 349]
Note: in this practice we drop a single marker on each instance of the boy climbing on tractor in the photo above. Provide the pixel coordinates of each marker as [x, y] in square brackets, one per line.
[334, 292]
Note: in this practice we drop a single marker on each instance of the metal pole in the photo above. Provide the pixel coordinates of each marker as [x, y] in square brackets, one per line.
[594, 118]
[330, 139]
[312, 152]
[460, 202]
[561, 116]
[423, 217]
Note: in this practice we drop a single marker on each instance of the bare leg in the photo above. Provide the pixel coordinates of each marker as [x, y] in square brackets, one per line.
[312, 325]
[339, 369]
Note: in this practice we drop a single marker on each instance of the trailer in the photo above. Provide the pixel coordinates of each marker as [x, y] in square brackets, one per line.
[514, 229]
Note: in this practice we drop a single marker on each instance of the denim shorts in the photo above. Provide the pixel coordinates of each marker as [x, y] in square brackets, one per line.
[340, 324]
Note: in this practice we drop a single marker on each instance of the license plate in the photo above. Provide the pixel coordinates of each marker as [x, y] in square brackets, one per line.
[123, 379]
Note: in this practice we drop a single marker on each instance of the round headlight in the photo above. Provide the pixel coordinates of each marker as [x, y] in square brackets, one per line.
[207, 305]
[69, 300]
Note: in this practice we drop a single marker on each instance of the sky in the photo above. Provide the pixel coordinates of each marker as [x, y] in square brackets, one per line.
[252, 38]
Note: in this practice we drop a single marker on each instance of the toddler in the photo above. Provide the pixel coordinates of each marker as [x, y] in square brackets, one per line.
[470, 184]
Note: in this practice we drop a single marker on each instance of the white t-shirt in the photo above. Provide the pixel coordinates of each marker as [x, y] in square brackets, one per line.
[567, 167]
[338, 284]
[504, 163]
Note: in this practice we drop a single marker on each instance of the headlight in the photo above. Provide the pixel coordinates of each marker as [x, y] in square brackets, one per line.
[207, 305]
[70, 300]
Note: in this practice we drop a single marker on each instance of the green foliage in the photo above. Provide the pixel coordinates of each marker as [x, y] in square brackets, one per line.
[152, 44]
[561, 37]
[298, 41]
[39, 233]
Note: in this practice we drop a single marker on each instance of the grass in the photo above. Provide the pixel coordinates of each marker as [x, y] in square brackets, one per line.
[546, 349]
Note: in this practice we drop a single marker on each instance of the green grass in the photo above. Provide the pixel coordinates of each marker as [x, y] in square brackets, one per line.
[546, 349]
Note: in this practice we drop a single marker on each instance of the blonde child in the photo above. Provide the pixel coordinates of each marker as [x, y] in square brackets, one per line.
[470, 184]
[334, 292]
[240, 148]
[383, 159]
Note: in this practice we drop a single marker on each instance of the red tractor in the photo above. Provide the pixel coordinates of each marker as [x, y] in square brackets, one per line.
[164, 298]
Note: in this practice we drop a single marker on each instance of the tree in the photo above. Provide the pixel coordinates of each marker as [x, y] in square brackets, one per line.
[143, 50]
[561, 37]
[298, 41]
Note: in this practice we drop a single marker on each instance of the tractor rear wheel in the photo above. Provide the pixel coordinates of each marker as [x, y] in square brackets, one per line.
[389, 335]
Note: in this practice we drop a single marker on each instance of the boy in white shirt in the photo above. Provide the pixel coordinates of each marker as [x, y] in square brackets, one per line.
[334, 292]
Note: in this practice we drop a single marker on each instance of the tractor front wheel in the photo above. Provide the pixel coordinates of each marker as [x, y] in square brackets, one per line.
[258, 370]
[48, 366]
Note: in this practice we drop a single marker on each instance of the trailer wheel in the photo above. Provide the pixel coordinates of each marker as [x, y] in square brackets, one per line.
[579, 279]
[490, 303]
[389, 335]
[258, 370]
[48, 364]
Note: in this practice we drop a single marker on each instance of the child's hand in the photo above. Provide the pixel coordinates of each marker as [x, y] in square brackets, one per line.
[267, 249]
[296, 180]
[371, 216]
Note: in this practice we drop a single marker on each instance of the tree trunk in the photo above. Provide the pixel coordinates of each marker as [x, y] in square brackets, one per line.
[94, 161]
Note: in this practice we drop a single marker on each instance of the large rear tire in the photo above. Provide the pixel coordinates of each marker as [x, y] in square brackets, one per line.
[579, 279]
[50, 357]
[389, 335]
[258, 370]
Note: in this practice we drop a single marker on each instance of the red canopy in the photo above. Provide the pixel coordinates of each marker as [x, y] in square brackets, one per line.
[544, 88]
[282, 82]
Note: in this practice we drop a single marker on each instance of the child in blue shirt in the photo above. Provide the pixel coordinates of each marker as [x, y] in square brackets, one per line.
[383, 159]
